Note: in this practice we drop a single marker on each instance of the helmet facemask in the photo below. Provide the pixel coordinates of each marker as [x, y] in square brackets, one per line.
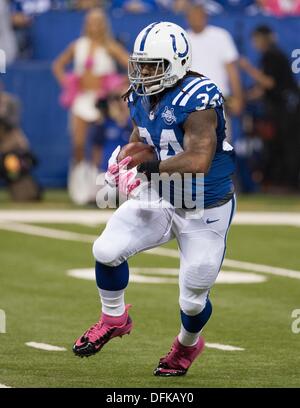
[152, 84]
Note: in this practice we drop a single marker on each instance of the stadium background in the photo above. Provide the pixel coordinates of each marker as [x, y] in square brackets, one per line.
[45, 122]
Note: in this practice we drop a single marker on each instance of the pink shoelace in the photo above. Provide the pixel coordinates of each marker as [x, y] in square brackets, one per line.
[178, 354]
[98, 330]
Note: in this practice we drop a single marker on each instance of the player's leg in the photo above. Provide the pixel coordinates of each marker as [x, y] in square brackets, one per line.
[202, 248]
[132, 229]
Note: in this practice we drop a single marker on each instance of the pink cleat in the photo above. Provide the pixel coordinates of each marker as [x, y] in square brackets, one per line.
[98, 335]
[179, 359]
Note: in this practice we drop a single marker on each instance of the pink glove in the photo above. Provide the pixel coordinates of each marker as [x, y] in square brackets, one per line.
[112, 174]
[127, 180]
[118, 175]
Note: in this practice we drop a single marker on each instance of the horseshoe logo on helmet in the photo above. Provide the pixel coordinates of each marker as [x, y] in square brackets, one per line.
[180, 54]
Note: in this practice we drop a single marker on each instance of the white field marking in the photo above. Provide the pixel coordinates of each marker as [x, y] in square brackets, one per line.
[151, 279]
[46, 232]
[137, 277]
[248, 266]
[173, 253]
[267, 218]
[44, 346]
[4, 386]
[96, 217]
[85, 217]
[89, 274]
[239, 277]
[224, 347]
[271, 270]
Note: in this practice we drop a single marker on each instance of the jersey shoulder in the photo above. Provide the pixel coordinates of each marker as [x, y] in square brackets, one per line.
[131, 97]
[132, 103]
[197, 93]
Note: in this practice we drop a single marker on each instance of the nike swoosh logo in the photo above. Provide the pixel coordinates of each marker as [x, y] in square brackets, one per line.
[208, 221]
[209, 88]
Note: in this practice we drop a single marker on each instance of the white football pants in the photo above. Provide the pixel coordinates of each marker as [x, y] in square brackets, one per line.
[202, 243]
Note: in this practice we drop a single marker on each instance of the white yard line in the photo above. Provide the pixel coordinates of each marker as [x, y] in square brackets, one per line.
[46, 232]
[173, 253]
[85, 217]
[248, 266]
[96, 217]
[224, 347]
[267, 218]
[4, 386]
[272, 270]
[44, 346]
[170, 275]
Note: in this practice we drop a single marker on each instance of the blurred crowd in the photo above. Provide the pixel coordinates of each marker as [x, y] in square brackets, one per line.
[267, 114]
[20, 13]
[276, 7]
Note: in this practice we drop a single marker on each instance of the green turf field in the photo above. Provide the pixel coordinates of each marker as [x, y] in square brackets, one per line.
[43, 304]
[58, 199]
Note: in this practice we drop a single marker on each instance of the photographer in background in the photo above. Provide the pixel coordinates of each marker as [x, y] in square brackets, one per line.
[275, 86]
[16, 159]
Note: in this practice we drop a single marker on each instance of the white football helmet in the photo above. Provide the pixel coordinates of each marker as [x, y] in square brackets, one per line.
[167, 48]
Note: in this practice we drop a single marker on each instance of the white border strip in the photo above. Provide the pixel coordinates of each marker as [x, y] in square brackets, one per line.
[85, 217]
[46, 232]
[170, 275]
[248, 266]
[173, 253]
[44, 346]
[288, 273]
[4, 386]
[188, 86]
[96, 217]
[223, 347]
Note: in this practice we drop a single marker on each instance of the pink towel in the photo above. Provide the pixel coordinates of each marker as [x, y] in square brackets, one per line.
[110, 83]
[280, 8]
[70, 90]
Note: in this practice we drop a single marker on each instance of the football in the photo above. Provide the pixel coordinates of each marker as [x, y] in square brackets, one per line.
[140, 152]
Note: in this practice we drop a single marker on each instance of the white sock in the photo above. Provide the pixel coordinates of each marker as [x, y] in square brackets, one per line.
[187, 338]
[113, 303]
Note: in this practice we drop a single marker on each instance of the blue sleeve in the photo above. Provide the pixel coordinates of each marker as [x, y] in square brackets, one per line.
[131, 105]
[207, 96]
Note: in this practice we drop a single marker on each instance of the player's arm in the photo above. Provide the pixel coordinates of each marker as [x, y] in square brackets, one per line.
[264, 80]
[199, 145]
[135, 135]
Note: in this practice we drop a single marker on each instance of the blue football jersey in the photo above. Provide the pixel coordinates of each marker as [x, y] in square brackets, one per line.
[163, 129]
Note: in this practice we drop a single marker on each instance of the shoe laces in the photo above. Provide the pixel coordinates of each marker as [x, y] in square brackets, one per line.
[176, 354]
[97, 331]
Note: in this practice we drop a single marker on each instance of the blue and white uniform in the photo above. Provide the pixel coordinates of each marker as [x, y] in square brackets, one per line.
[163, 129]
[202, 241]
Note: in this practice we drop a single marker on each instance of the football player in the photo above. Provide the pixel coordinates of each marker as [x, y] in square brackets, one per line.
[180, 113]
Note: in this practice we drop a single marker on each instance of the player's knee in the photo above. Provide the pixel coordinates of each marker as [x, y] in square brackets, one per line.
[192, 300]
[106, 253]
[192, 307]
[201, 276]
